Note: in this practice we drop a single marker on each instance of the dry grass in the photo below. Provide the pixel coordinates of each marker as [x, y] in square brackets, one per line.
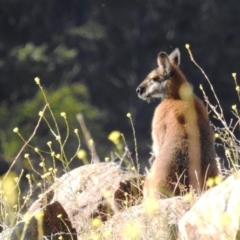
[149, 221]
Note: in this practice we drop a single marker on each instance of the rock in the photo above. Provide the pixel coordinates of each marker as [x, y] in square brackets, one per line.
[95, 190]
[50, 222]
[216, 215]
[99, 201]
[6, 234]
[153, 220]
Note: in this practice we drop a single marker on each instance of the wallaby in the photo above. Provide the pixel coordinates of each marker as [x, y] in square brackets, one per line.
[183, 141]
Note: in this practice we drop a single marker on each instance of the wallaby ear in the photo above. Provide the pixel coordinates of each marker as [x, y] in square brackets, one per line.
[175, 57]
[164, 62]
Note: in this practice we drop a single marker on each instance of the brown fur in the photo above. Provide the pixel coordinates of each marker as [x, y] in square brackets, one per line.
[183, 143]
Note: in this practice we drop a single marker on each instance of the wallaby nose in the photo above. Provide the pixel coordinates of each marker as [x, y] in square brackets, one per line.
[140, 90]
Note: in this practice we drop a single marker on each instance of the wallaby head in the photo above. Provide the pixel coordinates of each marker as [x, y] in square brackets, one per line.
[160, 80]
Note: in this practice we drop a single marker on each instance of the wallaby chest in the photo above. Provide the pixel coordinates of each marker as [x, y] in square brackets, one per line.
[168, 124]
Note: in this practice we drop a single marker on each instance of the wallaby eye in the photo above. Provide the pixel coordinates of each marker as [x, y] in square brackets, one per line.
[154, 79]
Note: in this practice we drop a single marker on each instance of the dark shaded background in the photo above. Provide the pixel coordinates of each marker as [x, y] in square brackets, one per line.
[110, 46]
